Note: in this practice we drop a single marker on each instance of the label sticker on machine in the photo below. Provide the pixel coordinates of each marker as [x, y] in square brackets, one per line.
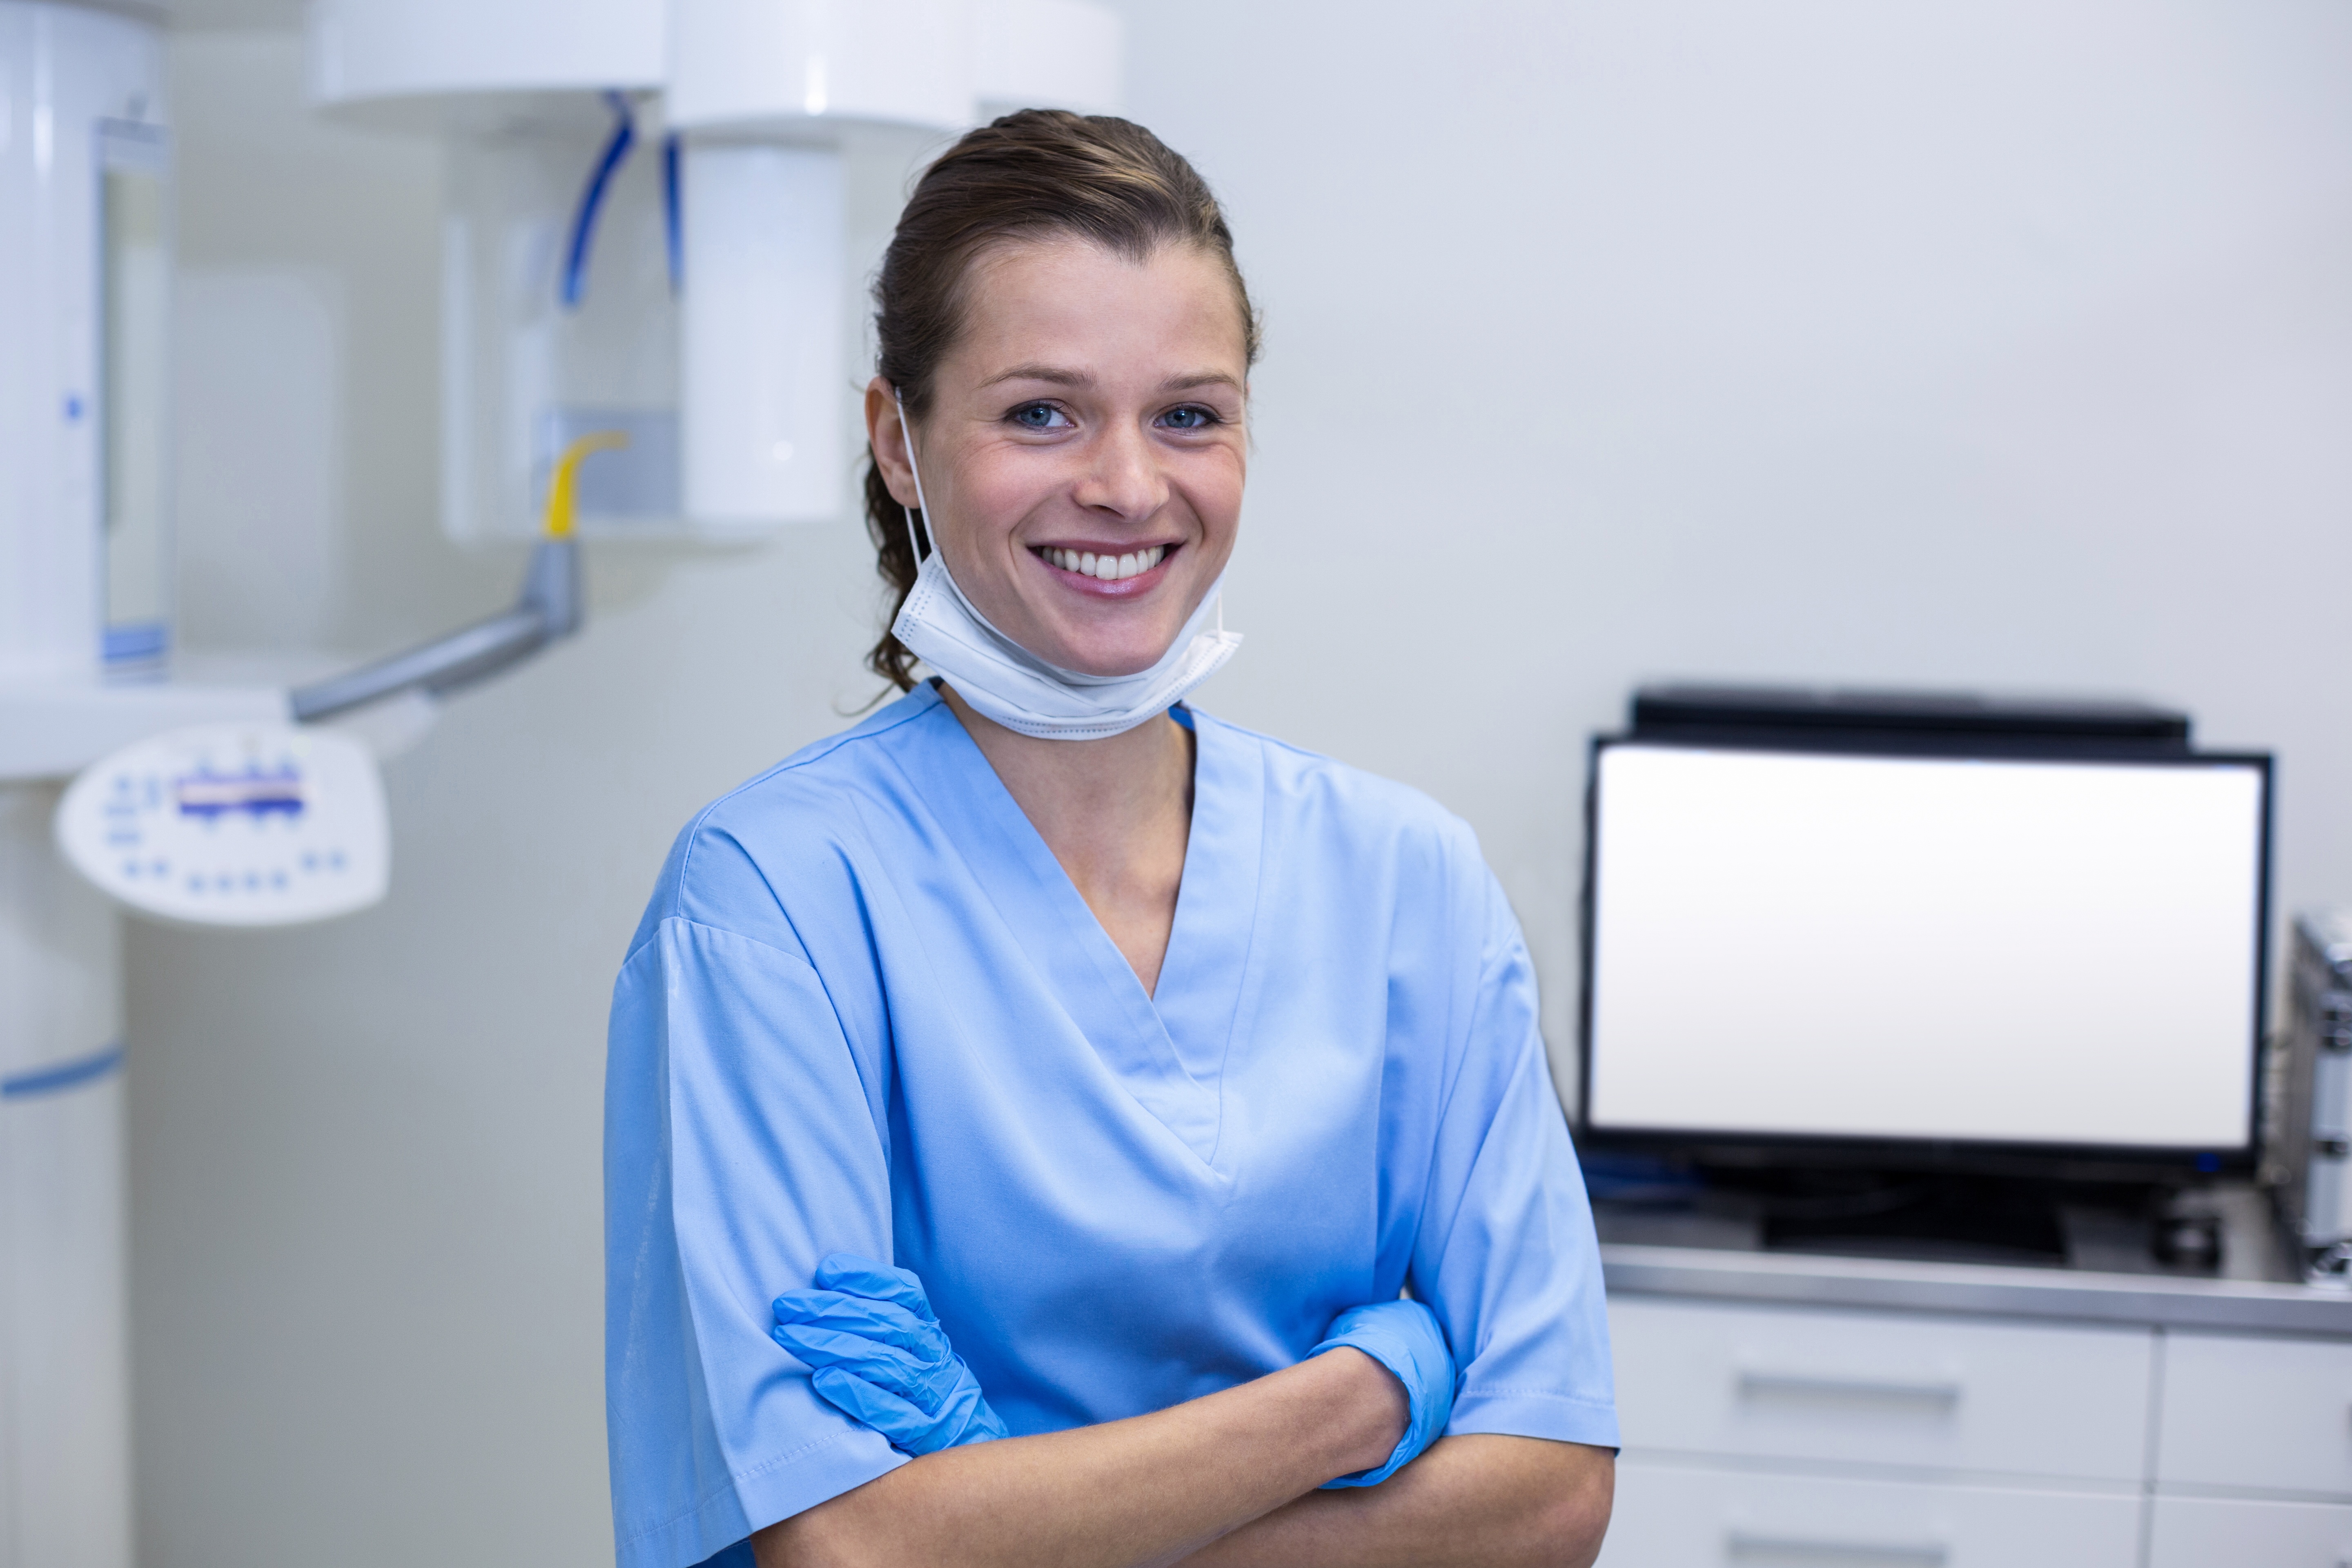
[238, 824]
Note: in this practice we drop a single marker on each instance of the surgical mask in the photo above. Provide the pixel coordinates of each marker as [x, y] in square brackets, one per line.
[1022, 691]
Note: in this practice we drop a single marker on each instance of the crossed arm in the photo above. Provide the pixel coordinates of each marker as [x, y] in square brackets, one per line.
[1224, 1481]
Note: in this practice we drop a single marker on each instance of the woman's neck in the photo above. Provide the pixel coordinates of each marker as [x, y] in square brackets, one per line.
[1115, 811]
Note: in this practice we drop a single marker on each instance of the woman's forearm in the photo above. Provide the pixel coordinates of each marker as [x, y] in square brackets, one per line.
[1488, 1502]
[1122, 1495]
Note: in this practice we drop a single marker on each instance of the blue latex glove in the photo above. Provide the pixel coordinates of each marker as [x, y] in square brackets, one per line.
[877, 1354]
[1403, 1337]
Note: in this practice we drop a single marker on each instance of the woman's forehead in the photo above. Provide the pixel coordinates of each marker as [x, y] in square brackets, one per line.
[1066, 301]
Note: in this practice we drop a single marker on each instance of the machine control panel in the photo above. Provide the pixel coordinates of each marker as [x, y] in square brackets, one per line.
[232, 825]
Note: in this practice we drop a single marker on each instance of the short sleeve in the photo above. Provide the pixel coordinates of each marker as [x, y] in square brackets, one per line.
[1506, 1255]
[740, 1148]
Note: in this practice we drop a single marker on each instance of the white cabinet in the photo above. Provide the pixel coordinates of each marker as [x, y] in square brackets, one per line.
[2256, 1414]
[1690, 1516]
[2237, 1532]
[1786, 1436]
[1934, 1393]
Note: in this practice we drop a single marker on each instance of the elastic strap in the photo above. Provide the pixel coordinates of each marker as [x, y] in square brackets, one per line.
[907, 432]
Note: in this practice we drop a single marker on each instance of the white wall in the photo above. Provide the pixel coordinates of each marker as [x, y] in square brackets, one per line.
[1972, 343]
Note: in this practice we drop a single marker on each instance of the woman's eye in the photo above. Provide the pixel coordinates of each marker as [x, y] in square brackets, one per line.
[1191, 417]
[1040, 417]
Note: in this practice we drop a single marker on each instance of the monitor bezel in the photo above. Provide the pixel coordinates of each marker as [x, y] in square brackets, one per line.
[2086, 1161]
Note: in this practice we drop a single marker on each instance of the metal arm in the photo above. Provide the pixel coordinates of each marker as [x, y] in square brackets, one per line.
[548, 608]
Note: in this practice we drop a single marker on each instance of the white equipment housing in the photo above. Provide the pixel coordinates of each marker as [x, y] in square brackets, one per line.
[644, 231]
[83, 268]
[83, 203]
[761, 382]
[2307, 1098]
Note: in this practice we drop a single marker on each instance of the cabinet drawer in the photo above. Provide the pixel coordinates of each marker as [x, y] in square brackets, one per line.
[2273, 1414]
[1882, 1389]
[2232, 1532]
[1672, 1516]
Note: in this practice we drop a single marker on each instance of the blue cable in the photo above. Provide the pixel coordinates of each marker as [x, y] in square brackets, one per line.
[669, 212]
[65, 1075]
[591, 200]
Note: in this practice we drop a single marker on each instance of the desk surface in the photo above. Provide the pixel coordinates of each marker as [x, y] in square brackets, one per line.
[1707, 1256]
[2237, 1306]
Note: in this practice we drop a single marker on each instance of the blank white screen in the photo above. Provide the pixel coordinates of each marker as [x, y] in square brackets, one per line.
[1925, 947]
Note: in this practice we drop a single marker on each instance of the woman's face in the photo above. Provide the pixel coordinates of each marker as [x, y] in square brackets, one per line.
[1085, 447]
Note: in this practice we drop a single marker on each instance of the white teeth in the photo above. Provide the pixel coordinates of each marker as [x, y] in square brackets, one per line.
[1107, 568]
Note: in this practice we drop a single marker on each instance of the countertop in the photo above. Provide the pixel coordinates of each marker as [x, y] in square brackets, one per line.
[2108, 1278]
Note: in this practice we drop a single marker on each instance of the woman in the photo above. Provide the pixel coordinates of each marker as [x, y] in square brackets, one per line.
[1161, 1060]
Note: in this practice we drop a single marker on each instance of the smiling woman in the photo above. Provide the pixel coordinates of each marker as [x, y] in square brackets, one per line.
[1046, 1123]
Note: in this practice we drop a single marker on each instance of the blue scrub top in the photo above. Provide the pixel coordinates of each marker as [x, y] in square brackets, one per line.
[868, 1012]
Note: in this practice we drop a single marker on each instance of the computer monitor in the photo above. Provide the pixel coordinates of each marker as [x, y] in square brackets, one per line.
[1912, 953]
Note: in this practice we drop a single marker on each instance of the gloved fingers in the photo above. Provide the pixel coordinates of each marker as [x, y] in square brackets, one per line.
[1424, 1368]
[926, 1386]
[877, 1353]
[875, 1408]
[856, 1276]
[884, 1364]
[966, 1419]
[1422, 1339]
[1406, 1338]
[885, 1322]
[821, 1346]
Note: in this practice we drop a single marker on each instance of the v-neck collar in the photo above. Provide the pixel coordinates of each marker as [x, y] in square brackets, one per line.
[1168, 1054]
[1216, 904]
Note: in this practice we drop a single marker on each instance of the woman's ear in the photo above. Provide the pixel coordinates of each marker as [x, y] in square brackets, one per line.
[885, 432]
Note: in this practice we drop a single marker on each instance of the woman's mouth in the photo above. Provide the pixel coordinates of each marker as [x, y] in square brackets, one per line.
[1105, 566]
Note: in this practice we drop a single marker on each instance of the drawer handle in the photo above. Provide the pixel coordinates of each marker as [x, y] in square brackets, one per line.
[1807, 1385]
[1743, 1547]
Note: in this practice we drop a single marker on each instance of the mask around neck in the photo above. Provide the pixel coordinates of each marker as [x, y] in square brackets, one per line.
[1022, 692]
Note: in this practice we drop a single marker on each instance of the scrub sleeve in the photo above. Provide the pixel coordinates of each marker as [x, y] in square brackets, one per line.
[728, 1076]
[1505, 1256]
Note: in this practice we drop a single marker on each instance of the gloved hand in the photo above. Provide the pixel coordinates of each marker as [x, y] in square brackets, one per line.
[877, 1354]
[1403, 1337]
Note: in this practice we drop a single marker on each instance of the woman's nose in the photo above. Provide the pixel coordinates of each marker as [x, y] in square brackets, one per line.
[1123, 475]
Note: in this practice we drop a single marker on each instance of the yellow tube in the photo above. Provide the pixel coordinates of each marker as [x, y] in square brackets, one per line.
[562, 485]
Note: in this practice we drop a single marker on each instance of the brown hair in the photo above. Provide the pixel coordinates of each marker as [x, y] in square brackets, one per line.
[1039, 174]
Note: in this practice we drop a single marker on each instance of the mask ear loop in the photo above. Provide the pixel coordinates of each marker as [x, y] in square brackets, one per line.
[906, 432]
